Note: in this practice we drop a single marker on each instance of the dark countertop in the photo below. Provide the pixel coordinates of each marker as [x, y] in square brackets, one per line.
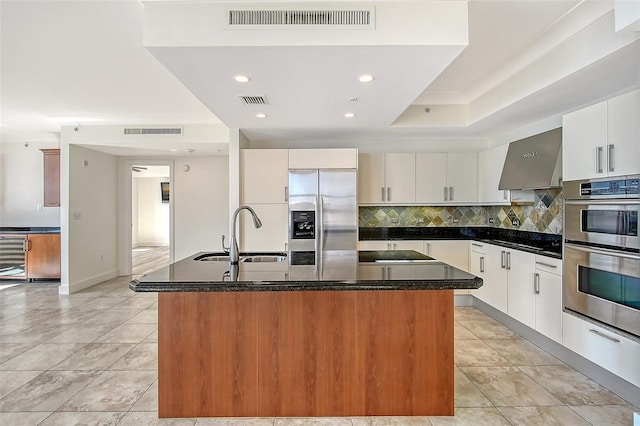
[344, 271]
[549, 245]
[29, 230]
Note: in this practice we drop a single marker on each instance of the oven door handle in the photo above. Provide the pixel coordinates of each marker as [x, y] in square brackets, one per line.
[609, 202]
[602, 251]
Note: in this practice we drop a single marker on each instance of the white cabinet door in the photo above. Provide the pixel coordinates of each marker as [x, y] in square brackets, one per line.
[490, 164]
[431, 177]
[584, 136]
[607, 349]
[343, 158]
[496, 277]
[272, 236]
[406, 245]
[521, 282]
[400, 178]
[371, 182]
[462, 177]
[373, 245]
[265, 175]
[549, 305]
[623, 143]
[477, 266]
[452, 252]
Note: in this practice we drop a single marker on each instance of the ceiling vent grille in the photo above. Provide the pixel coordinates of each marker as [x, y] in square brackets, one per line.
[353, 19]
[153, 131]
[254, 100]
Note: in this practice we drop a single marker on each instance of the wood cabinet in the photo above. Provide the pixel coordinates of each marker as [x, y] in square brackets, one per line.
[386, 178]
[51, 177]
[602, 139]
[30, 256]
[305, 353]
[490, 164]
[450, 178]
[548, 297]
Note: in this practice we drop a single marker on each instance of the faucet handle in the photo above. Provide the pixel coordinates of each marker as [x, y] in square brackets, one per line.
[225, 249]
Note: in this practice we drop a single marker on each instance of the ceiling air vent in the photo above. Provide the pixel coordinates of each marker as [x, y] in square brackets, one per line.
[153, 131]
[257, 18]
[254, 100]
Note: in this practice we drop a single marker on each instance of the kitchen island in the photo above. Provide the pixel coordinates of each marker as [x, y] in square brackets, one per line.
[363, 338]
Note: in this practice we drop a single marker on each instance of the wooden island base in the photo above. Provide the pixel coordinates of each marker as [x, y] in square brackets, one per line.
[306, 353]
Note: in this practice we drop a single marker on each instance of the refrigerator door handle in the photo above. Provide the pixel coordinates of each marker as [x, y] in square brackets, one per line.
[320, 233]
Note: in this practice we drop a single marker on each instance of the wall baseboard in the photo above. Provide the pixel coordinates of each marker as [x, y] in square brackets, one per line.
[590, 369]
[91, 281]
[462, 300]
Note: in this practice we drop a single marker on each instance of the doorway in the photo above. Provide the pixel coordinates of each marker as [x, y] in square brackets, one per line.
[150, 217]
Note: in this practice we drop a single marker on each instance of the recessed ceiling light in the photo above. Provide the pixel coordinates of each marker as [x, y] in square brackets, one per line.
[349, 115]
[261, 115]
[241, 78]
[173, 150]
[365, 78]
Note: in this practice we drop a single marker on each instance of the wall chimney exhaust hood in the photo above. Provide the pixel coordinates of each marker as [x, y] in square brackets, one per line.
[534, 162]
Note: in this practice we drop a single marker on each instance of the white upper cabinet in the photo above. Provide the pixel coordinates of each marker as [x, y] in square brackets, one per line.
[346, 158]
[431, 177]
[602, 139]
[386, 178]
[450, 178]
[623, 131]
[490, 164]
[265, 175]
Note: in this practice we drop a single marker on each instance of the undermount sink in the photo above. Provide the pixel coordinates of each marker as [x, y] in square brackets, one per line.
[270, 258]
[244, 257]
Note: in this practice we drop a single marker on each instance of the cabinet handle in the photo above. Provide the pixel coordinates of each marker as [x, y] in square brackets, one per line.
[428, 249]
[502, 261]
[536, 283]
[477, 245]
[504, 195]
[597, 333]
[599, 159]
[384, 272]
[508, 261]
[388, 194]
[382, 196]
[286, 193]
[610, 155]
[388, 272]
[395, 246]
[546, 264]
[446, 193]
[451, 193]
[286, 246]
[481, 263]
[388, 246]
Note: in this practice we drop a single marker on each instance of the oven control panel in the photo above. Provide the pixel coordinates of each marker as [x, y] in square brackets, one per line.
[619, 188]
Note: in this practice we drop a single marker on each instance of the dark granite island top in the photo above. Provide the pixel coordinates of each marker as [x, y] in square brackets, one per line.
[350, 270]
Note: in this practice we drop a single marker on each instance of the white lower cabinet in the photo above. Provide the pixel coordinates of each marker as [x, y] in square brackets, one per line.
[477, 266]
[520, 269]
[605, 348]
[274, 233]
[451, 252]
[548, 297]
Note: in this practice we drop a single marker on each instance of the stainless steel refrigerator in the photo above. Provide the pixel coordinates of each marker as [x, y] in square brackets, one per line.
[323, 224]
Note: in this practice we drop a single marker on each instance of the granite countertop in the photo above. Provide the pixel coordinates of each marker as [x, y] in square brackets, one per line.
[549, 245]
[347, 270]
[29, 230]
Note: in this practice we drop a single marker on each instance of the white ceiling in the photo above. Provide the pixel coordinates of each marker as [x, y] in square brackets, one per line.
[83, 62]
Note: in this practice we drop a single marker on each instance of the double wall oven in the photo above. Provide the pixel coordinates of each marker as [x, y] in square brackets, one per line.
[602, 251]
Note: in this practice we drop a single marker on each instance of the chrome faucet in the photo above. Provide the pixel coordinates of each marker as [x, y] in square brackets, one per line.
[234, 255]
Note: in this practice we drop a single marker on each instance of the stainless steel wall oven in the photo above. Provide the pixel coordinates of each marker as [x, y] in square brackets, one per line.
[602, 251]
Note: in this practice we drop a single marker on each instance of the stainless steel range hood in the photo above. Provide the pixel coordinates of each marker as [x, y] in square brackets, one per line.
[534, 162]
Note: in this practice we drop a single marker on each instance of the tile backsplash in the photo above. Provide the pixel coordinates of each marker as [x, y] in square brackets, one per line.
[544, 215]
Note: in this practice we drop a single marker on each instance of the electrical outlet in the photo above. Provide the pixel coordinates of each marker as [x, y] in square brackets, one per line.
[40, 208]
[454, 220]
[420, 220]
[77, 216]
[515, 222]
[395, 220]
[491, 221]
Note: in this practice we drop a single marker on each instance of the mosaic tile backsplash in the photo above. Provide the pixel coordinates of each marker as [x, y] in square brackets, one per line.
[545, 215]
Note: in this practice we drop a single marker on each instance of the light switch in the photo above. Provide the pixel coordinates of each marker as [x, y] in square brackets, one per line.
[77, 216]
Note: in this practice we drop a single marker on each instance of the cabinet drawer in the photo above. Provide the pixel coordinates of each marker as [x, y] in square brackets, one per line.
[477, 247]
[549, 264]
[605, 348]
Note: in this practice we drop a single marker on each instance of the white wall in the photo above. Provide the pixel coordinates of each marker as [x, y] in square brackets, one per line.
[201, 204]
[151, 219]
[92, 219]
[22, 185]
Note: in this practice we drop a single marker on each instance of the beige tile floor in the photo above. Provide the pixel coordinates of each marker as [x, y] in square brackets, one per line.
[91, 359]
